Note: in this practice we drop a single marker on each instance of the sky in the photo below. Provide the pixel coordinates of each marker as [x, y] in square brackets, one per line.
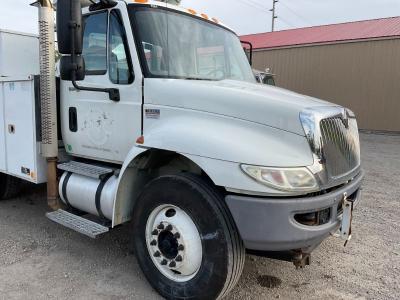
[243, 16]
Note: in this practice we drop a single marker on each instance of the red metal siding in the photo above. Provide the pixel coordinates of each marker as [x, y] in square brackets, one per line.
[363, 76]
[370, 29]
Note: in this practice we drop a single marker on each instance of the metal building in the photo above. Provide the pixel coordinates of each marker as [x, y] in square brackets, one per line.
[354, 64]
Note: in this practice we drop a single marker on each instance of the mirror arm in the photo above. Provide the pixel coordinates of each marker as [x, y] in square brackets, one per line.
[251, 51]
[112, 93]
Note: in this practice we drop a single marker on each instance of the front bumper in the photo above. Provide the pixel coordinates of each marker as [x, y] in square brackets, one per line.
[268, 224]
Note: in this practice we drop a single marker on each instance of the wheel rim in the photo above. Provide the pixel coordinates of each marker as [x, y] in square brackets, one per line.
[174, 243]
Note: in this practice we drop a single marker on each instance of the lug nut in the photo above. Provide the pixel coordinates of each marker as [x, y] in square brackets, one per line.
[153, 243]
[172, 264]
[164, 262]
[154, 232]
[157, 254]
[179, 258]
[169, 228]
[161, 226]
[177, 235]
[181, 248]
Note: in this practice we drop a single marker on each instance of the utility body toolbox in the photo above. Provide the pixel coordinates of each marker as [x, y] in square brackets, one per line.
[19, 53]
[20, 129]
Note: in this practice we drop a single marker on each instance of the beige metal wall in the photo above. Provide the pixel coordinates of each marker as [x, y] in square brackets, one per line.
[364, 76]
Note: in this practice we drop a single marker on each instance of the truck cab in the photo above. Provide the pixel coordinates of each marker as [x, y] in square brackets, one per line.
[166, 130]
[141, 50]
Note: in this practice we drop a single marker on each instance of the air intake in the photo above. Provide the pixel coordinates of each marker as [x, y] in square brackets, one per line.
[47, 79]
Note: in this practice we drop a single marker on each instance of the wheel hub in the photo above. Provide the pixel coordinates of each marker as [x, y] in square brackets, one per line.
[168, 244]
[174, 243]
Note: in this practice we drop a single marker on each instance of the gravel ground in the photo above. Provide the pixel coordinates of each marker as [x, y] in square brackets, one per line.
[41, 260]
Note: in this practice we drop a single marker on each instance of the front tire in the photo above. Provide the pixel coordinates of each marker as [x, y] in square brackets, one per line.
[185, 239]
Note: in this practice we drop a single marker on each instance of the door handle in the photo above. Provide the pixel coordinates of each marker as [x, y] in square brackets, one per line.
[73, 119]
[11, 129]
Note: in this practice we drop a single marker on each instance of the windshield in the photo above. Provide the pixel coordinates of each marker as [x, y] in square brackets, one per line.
[175, 45]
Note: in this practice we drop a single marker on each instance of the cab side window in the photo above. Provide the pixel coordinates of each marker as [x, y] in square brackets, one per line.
[120, 65]
[95, 43]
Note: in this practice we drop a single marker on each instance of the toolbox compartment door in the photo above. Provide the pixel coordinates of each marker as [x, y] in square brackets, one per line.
[22, 150]
[3, 165]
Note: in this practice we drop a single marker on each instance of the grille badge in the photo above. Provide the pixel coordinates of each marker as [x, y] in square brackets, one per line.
[345, 119]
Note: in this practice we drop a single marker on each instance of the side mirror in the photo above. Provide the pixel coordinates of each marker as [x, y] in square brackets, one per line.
[69, 27]
[70, 39]
[67, 67]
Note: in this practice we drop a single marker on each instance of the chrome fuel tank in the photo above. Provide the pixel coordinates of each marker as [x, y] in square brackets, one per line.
[90, 195]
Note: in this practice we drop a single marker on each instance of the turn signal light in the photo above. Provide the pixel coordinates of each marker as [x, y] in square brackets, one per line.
[140, 140]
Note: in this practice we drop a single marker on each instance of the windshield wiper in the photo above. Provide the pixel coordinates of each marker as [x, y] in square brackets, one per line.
[199, 78]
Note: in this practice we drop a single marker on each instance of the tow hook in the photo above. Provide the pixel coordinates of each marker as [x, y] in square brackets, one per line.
[301, 259]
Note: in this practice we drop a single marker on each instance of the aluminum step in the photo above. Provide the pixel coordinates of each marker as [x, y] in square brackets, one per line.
[85, 169]
[78, 224]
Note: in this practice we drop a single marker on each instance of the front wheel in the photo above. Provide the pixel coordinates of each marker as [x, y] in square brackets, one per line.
[185, 239]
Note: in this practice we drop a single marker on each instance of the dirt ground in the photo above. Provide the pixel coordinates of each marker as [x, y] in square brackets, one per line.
[41, 260]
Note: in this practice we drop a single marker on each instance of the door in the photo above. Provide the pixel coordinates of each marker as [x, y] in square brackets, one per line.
[94, 126]
[19, 126]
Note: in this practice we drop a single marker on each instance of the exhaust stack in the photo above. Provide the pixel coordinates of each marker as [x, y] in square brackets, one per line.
[49, 146]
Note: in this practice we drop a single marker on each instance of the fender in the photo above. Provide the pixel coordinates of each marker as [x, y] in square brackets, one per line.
[216, 144]
[122, 206]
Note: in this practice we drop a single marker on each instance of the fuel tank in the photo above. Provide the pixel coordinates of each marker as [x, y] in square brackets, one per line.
[90, 195]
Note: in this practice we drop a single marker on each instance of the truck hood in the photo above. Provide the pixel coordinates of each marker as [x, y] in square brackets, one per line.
[263, 104]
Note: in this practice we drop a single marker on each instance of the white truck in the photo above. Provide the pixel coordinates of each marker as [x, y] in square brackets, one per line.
[163, 127]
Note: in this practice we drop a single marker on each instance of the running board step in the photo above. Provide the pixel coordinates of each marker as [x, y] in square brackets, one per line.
[78, 224]
[91, 171]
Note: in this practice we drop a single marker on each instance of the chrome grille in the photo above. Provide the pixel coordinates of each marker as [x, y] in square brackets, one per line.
[340, 145]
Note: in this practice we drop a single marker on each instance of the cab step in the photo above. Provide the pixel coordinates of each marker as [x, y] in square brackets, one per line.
[77, 223]
[91, 171]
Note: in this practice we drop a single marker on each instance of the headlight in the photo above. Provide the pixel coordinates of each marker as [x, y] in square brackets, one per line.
[285, 179]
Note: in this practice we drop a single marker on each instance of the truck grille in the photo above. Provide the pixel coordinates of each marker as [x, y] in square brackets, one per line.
[340, 145]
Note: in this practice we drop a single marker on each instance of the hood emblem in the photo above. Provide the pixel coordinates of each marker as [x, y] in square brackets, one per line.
[345, 119]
